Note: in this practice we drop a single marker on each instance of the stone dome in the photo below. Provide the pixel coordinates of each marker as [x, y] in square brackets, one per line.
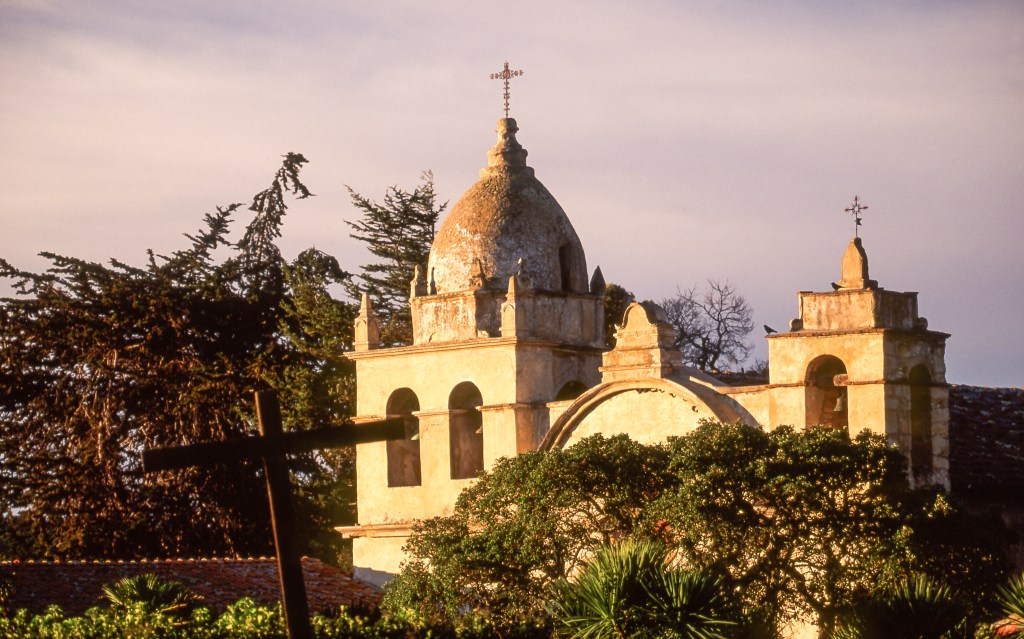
[507, 224]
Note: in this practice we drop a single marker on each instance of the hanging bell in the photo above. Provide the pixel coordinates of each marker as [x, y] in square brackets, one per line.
[840, 404]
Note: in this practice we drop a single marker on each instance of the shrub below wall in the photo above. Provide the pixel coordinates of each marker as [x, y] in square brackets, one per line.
[244, 619]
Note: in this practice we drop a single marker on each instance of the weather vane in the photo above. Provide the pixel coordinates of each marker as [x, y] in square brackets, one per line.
[506, 74]
[856, 210]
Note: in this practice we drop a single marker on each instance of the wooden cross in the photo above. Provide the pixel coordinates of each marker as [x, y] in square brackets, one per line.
[856, 210]
[506, 74]
[272, 445]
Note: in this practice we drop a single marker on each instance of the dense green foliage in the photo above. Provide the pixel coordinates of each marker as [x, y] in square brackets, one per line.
[399, 232]
[244, 619]
[99, 362]
[800, 521]
[801, 525]
[616, 299]
[524, 525]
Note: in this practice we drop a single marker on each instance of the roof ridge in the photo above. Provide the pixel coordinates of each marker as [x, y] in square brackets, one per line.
[992, 388]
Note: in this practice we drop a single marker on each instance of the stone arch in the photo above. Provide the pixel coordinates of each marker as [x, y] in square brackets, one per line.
[571, 390]
[671, 409]
[826, 403]
[920, 422]
[465, 431]
[404, 467]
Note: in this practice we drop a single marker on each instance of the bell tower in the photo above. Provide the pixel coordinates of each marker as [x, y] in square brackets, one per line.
[859, 357]
[505, 323]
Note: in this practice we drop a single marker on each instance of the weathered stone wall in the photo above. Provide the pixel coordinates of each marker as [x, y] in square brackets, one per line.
[756, 400]
[565, 318]
[858, 309]
[516, 380]
[647, 415]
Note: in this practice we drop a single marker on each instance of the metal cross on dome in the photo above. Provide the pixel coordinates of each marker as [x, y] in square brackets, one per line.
[856, 210]
[506, 74]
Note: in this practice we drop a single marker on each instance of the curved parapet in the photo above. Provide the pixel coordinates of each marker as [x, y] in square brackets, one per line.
[649, 410]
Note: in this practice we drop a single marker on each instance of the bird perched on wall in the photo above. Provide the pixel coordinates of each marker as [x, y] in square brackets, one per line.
[835, 287]
[768, 330]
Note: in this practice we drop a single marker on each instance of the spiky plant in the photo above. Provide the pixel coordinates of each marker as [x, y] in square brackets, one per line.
[1010, 598]
[629, 591]
[918, 608]
[153, 593]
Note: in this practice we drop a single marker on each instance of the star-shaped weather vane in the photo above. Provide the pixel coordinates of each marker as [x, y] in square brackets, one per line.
[856, 210]
[506, 74]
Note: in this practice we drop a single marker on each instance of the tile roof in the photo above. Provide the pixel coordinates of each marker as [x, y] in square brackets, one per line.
[741, 377]
[77, 585]
[986, 443]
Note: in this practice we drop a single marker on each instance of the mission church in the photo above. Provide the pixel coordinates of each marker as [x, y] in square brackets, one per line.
[509, 356]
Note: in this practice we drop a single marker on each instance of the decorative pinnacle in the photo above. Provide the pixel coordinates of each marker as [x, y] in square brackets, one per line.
[506, 74]
[856, 210]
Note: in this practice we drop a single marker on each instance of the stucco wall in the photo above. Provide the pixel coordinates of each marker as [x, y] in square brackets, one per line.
[646, 415]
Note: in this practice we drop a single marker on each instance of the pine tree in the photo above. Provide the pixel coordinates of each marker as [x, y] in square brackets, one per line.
[399, 232]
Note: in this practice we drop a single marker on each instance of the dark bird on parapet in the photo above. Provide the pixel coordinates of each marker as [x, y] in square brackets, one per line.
[768, 330]
[835, 286]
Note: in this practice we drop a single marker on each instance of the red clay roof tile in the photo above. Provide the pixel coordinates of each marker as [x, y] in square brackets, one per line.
[77, 585]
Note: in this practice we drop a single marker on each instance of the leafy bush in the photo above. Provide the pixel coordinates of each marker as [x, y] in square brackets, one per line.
[6, 591]
[800, 524]
[245, 619]
[530, 521]
[133, 621]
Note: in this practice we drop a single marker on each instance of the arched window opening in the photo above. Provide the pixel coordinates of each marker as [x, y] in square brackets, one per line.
[826, 399]
[404, 454]
[920, 423]
[465, 431]
[571, 390]
[565, 266]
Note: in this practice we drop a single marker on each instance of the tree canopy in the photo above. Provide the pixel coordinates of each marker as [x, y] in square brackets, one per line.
[616, 299]
[101, 361]
[711, 325]
[801, 525]
[526, 523]
[400, 232]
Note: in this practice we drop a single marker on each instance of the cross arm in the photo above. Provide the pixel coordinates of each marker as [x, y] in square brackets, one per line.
[234, 450]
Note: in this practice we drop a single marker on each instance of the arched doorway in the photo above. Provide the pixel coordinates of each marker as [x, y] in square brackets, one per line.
[465, 431]
[404, 454]
[826, 402]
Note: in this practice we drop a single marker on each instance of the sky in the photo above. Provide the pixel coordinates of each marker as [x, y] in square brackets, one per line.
[686, 140]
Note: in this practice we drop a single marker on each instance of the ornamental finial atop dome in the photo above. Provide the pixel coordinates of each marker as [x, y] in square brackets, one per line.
[506, 151]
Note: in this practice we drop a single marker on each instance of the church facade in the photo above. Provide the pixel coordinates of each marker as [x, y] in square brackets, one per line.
[509, 356]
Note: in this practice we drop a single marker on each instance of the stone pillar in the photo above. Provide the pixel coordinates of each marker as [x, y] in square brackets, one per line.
[367, 327]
